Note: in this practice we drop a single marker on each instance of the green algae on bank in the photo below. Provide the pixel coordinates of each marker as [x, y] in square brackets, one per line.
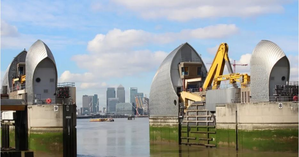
[46, 141]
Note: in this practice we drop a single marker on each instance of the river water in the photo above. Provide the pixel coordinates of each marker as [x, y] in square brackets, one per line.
[130, 138]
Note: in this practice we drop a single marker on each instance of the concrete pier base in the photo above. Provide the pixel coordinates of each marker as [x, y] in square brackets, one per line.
[45, 129]
[163, 129]
[266, 126]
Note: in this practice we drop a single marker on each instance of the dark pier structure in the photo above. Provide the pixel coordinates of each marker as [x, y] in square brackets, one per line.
[21, 129]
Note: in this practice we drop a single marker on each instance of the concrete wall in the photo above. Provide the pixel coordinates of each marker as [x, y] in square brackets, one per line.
[253, 116]
[43, 117]
[19, 94]
[228, 95]
[163, 121]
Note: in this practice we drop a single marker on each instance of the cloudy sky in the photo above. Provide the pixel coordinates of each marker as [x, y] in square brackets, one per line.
[99, 44]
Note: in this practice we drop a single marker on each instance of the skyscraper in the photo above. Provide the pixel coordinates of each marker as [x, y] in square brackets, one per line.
[86, 104]
[133, 92]
[109, 94]
[112, 105]
[121, 94]
[95, 104]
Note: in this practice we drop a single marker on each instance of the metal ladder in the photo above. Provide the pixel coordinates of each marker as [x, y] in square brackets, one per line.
[197, 126]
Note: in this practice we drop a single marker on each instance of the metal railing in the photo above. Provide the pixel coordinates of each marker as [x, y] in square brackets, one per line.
[17, 87]
[281, 98]
[66, 84]
[295, 83]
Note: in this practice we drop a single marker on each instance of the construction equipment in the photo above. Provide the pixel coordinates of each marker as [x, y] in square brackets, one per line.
[138, 105]
[214, 77]
[23, 79]
[18, 82]
[244, 79]
[236, 64]
[217, 67]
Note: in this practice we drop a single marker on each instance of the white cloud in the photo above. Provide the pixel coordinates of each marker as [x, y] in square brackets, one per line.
[118, 40]
[88, 85]
[120, 53]
[210, 32]
[12, 39]
[8, 30]
[67, 76]
[213, 50]
[179, 10]
[241, 66]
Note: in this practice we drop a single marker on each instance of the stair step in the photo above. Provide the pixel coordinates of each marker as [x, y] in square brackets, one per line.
[201, 110]
[189, 138]
[205, 139]
[197, 104]
[210, 145]
[191, 121]
[185, 126]
[188, 143]
[197, 116]
[204, 132]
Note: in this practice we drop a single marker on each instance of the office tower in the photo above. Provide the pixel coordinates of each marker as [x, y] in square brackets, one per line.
[121, 94]
[95, 103]
[112, 105]
[133, 92]
[109, 94]
[124, 109]
[87, 104]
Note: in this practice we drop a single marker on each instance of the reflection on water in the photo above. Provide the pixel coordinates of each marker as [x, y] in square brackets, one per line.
[119, 138]
[130, 138]
[198, 151]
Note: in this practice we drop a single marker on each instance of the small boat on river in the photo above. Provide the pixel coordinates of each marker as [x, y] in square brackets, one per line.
[102, 120]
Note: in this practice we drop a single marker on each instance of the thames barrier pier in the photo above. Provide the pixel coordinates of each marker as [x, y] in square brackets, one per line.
[256, 111]
[49, 114]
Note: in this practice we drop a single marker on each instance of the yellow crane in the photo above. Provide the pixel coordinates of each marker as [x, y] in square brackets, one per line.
[215, 76]
[217, 67]
[19, 82]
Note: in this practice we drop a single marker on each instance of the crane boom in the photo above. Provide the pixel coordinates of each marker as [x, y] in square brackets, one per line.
[217, 67]
[235, 64]
[137, 105]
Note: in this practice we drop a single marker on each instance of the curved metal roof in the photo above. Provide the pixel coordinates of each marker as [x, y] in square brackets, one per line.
[37, 53]
[163, 92]
[264, 57]
[12, 70]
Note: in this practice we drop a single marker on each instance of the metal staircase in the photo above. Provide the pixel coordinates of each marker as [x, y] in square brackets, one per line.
[197, 126]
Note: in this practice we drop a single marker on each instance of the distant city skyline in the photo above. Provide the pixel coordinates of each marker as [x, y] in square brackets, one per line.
[112, 93]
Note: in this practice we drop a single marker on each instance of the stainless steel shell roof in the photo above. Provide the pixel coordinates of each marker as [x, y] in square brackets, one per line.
[37, 53]
[11, 71]
[166, 79]
[264, 57]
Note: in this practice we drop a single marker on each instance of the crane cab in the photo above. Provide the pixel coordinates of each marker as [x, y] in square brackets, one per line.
[192, 75]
